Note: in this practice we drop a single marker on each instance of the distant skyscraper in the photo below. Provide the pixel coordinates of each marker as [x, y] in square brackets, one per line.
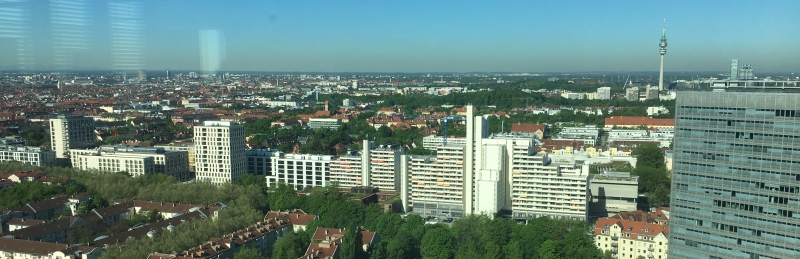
[663, 45]
[167, 74]
[219, 152]
[71, 131]
[604, 93]
[142, 75]
[736, 175]
[734, 69]
[747, 73]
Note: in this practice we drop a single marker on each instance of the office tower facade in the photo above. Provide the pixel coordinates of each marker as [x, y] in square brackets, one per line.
[734, 69]
[71, 131]
[736, 175]
[604, 93]
[300, 170]
[219, 152]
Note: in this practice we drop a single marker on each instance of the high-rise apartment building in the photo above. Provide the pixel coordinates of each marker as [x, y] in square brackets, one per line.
[219, 152]
[375, 166]
[604, 93]
[437, 182]
[71, 131]
[632, 94]
[736, 174]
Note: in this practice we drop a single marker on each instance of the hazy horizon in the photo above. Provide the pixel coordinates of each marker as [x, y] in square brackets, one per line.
[403, 37]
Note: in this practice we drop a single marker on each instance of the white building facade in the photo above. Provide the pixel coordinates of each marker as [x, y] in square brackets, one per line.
[219, 152]
[300, 170]
[71, 131]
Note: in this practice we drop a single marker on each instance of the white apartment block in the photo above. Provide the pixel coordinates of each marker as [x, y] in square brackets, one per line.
[347, 169]
[172, 163]
[300, 170]
[28, 155]
[432, 142]
[587, 134]
[135, 165]
[437, 183]
[544, 189]
[631, 239]
[71, 131]
[384, 167]
[372, 166]
[488, 174]
[219, 152]
[604, 93]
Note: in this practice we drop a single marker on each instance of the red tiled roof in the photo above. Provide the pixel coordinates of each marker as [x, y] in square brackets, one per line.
[634, 228]
[527, 127]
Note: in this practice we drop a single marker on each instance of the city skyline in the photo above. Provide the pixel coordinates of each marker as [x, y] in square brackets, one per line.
[410, 37]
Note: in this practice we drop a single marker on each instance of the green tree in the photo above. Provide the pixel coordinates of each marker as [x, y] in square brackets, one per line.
[551, 249]
[437, 244]
[649, 155]
[352, 244]
[513, 251]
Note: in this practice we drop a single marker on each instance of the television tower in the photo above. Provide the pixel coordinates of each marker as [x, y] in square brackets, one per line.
[663, 51]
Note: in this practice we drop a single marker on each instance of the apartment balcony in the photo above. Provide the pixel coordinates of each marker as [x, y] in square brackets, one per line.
[614, 238]
[650, 255]
[651, 249]
[614, 243]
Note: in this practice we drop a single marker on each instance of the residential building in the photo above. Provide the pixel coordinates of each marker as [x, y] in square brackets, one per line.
[537, 129]
[612, 193]
[604, 93]
[325, 242]
[300, 170]
[735, 174]
[261, 237]
[437, 182]
[541, 188]
[631, 239]
[632, 94]
[182, 146]
[329, 123]
[29, 155]
[219, 152]
[638, 121]
[432, 142]
[651, 93]
[349, 103]
[347, 169]
[69, 132]
[657, 110]
[587, 134]
[384, 167]
[20, 248]
[134, 165]
[259, 161]
[119, 158]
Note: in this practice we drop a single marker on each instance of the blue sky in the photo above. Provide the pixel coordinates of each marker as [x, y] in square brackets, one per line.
[435, 36]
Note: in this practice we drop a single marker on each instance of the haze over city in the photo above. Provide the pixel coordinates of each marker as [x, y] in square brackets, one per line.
[407, 36]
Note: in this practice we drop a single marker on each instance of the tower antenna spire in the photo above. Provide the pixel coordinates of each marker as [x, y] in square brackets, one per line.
[664, 27]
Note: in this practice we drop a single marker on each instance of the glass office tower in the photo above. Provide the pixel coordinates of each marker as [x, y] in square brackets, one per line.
[736, 175]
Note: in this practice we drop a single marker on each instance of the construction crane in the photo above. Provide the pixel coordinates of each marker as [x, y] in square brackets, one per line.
[444, 123]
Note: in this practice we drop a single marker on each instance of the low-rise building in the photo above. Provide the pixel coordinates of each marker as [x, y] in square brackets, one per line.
[261, 237]
[134, 160]
[612, 193]
[29, 249]
[325, 242]
[318, 123]
[631, 238]
[29, 155]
